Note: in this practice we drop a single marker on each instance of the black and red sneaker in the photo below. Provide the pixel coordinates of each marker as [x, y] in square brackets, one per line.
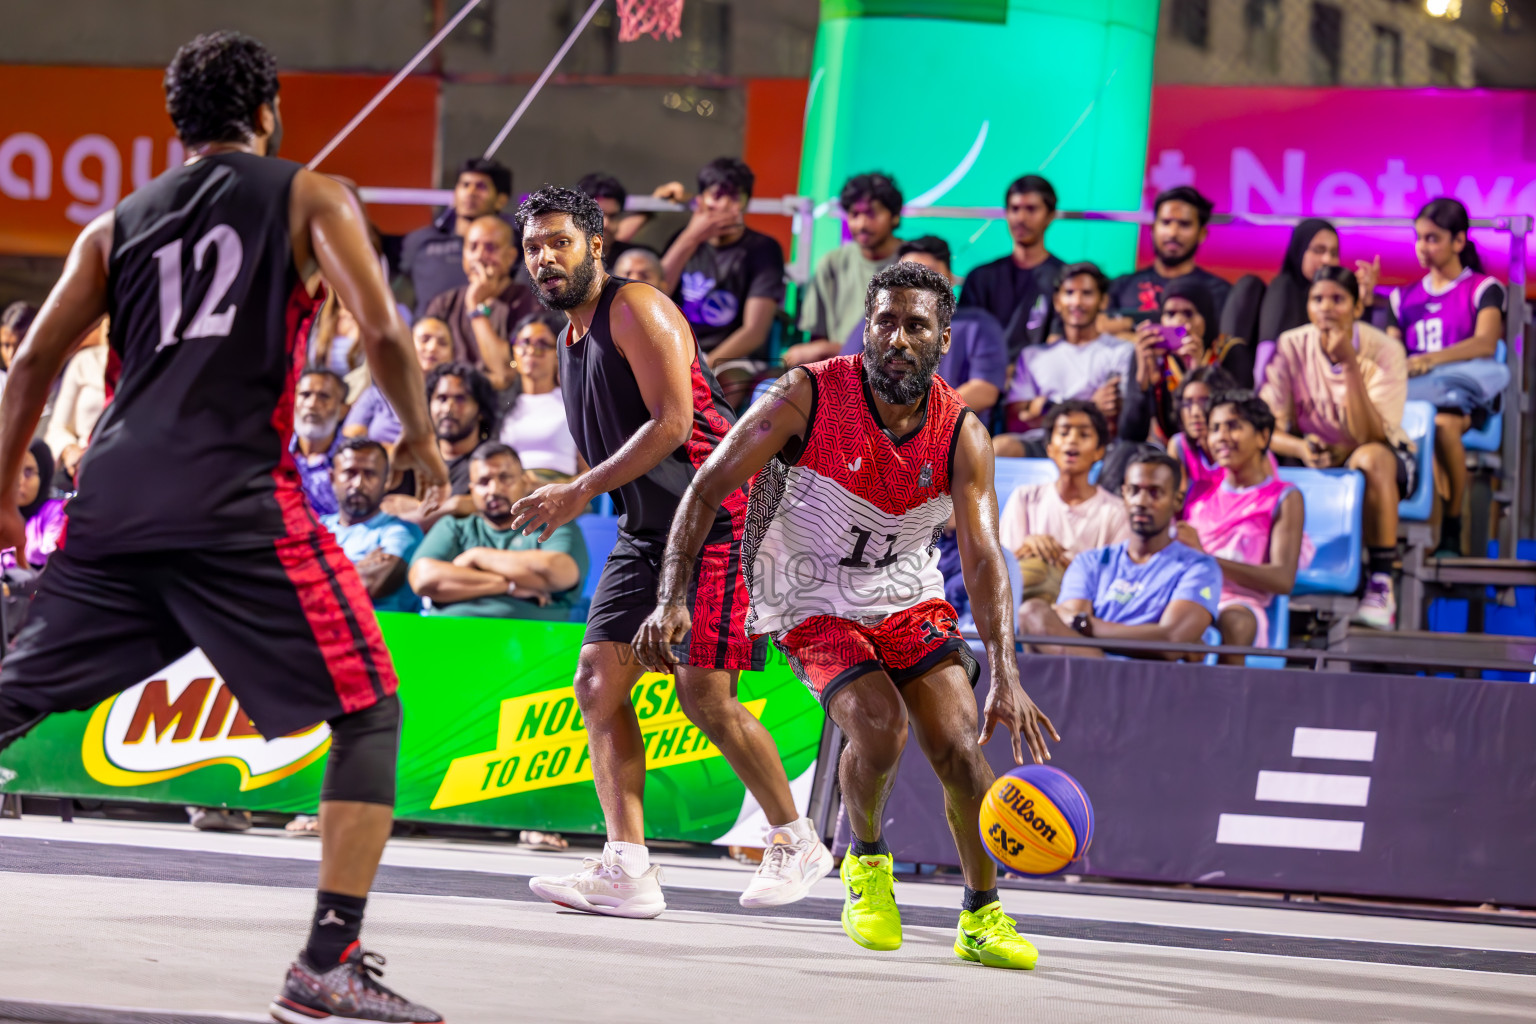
[351, 990]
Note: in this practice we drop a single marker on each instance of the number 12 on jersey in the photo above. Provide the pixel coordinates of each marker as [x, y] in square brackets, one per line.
[228, 256]
[855, 559]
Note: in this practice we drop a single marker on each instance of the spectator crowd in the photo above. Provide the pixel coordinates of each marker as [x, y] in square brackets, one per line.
[1167, 399]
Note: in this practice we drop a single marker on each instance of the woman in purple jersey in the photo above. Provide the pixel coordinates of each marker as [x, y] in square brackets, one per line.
[1451, 322]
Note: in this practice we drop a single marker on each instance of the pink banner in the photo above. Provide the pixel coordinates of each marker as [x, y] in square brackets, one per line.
[1340, 153]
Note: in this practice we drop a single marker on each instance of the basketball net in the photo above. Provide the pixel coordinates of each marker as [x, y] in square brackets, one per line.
[654, 18]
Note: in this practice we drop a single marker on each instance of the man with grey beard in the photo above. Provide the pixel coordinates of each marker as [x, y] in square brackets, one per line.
[319, 403]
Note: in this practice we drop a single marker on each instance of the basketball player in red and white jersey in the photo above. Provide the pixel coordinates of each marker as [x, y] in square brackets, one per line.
[853, 463]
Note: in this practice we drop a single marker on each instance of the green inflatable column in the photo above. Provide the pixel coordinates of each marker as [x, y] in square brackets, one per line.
[956, 98]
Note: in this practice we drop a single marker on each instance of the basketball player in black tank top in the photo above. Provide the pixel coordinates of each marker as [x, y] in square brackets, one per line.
[190, 528]
[645, 413]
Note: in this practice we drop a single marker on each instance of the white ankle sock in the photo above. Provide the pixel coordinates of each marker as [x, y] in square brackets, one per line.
[634, 858]
[800, 828]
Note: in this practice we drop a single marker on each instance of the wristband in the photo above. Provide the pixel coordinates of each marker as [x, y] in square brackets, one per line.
[1082, 624]
[482, 310]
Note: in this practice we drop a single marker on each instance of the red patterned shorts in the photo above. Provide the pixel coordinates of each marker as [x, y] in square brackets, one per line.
[828, 652]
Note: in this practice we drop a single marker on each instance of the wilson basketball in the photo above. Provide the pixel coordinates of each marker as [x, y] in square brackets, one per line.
[1036, 820]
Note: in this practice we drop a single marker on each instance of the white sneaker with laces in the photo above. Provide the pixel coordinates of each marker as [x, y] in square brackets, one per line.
[1378, 608]
[794, 861]
[602, 886]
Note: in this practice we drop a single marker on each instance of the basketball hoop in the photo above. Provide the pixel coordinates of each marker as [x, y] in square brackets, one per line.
[655, 18]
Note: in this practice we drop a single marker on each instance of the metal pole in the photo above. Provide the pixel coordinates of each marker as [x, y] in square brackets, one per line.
[565, 47]
[1521, 440]
[389, 87]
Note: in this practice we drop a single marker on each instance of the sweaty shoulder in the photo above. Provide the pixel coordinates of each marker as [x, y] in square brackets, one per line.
[642, 316]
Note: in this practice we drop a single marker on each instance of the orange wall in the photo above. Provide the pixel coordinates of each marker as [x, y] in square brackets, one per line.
[75, 140]
[775, 127]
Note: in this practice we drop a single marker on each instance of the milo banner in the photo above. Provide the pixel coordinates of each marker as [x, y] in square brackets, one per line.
[492, 737]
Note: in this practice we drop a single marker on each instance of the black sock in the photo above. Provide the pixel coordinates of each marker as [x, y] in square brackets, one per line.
[874, 849]
[1381, 560]
[974, 900]
[1450, 533]
[334, 927]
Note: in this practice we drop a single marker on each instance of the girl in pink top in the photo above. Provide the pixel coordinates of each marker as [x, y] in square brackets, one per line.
[1191, 445]
[1251, 522]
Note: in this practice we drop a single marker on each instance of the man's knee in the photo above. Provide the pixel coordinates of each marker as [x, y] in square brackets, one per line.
[599, 693]
[706, 697]
[364, 748]
[1238, 626]
[1375, 460]
[1036, 616]
[1008, 446]
[874, 719]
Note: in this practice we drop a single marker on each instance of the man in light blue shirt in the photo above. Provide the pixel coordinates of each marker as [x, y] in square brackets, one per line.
[378, 544]
[1150, 587]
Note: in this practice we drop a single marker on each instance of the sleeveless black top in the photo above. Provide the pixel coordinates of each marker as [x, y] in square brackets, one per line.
[604, 408]
[192, 450]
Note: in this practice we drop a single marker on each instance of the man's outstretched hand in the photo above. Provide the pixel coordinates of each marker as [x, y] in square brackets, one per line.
[1007, 703]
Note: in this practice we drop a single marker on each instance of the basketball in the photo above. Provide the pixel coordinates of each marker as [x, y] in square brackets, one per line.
[1036, 820]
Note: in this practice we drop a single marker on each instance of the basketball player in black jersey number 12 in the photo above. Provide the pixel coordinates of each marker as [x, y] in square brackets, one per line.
[645, 413]
[853, 462]
[190, 527]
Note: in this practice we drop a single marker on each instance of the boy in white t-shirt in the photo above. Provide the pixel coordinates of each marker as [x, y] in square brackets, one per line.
[1046, 525]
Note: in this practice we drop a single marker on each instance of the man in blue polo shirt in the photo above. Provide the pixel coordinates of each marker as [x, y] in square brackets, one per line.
[1150, 587]
[377, 543]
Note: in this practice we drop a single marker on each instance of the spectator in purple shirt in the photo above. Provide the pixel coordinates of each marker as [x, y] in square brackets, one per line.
[318, 405]
[976, 364]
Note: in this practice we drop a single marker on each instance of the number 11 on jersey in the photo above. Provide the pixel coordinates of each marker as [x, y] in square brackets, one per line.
[855, 560]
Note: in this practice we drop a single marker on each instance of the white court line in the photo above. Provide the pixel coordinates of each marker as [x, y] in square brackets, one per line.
[1334, 744]
[1314, 788]
[1290, 833]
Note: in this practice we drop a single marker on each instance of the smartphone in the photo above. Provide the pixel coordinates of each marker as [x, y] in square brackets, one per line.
[1172, 337]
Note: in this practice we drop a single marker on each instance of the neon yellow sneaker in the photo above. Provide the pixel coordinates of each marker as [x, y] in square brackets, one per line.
[991, 938]
[870, 916]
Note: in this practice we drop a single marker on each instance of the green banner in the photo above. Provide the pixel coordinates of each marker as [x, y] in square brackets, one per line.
[492, 737]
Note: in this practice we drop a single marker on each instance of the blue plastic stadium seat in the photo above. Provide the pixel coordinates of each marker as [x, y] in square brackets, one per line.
[1491, 437]
[1419, 424]
[762, 389]
[1279, 633]
[1335, 505]
[600, 533]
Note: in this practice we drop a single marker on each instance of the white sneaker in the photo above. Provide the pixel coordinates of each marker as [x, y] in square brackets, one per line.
[1378, 608]
[603, 887]
[793, 862]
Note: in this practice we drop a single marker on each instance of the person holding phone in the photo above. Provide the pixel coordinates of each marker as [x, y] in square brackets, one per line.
[1337, 388]
[1184, 337]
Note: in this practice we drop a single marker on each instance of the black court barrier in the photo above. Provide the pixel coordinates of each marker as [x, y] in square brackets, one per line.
[1302, 781]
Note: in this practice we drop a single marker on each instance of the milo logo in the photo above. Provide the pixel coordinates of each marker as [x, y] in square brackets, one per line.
[1024, 807]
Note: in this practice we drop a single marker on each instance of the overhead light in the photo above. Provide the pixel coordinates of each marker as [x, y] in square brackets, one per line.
[1443, 8]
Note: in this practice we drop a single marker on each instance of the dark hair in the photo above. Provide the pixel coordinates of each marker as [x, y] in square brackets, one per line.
[912, 275]
[584, 211]
[603, 186]
[1072, 270]
[476, 384]
[1339, 275]
[874, 186]
[1448, 214]
[1213, 376]
[499, 173]
[18, 316]
[730, 172]
[931, 245]
[1153, 457]
[1199, 296]
[364, 444]
[554, 321]
[490, 449]
[1185, 194]
[1071, 405]
[214, 86]
[1249, 407]
[1032, 183]
[326, 371]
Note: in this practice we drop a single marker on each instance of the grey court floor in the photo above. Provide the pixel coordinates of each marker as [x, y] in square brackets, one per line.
[154, 924]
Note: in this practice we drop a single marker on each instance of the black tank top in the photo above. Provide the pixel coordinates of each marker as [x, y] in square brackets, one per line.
[206, 305]
[604, 408]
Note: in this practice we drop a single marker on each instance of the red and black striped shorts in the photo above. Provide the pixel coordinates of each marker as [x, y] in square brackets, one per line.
[289, 627]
